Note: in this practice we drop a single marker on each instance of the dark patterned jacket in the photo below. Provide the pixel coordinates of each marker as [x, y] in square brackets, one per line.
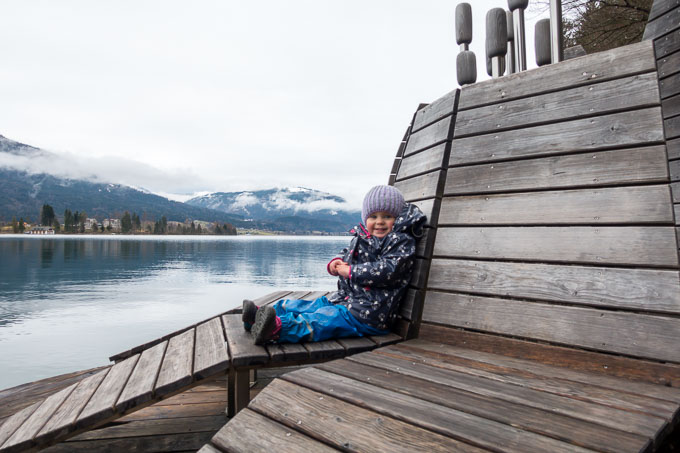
[380, 269]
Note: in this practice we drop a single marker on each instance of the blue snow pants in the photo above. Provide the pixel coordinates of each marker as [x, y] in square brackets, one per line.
[318, 320]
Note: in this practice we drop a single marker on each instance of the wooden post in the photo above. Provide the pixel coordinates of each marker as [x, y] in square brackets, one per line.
[466, 67]
[510, 57]
[517, 7]
[542, 42]
[496, 39]
[556, 47]
[466, 63]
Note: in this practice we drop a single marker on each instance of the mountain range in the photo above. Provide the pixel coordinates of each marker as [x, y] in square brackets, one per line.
[23, 191]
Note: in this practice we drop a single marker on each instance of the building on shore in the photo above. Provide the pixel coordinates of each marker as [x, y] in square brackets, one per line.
[40, 230]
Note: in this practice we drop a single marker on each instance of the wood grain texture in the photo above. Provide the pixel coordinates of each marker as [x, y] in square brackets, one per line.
[615, 63]
[430, 208]
[210, 353]
[422, 162]
[674, 166]
[667, 44]
[672, 127]
[661, 7]
[632, 334]
[14, 422]
[435, 111]
[669, 87]
[620, 94]
[669, 66]
[640, 246]
[354, 345]
[177, 368]
[425, 243]
[543, 422]
[663, 24]
[621, 205]
[431, 135]
[420, 187]
[444, 420]
[346, 426]
[673, 149]
[640, 127]
[324, 350]
[629, 289]
[675, 192]
[242, 350]
[140, 386]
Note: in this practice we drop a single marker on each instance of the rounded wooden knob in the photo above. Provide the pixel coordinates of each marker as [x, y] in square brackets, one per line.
[496, 33]
[466, 67]
[542, 42]
[463, 23]
[510, 25]
[517, 4]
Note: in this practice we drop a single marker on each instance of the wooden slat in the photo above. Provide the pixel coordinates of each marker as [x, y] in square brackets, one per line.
[673, 149]
[644, 246]
[409, 303]
[615, 63]
[668, 65]
[672, 127]
[636, 335]
[527, 418]
[431, 210]
[422, 162]
[21, 439]
[675, 192]
[623, 205]
[242, 350]
[663, 24]
[346, 426]
[615, 95]
[425, 243]
[669, 86]
[639, 127]
[176, 370]
[330, 349]
[15, 421]
[249, 431]
[210, 353]
[356, 344]
[207, 448]
[674, 166]
[62, 422]
[661, 7]
[423, 186]
[100, 406]
[667, 44]
[383, 340]
[437, 110]
[444, 420]
[432, 135]
[140, 386]
[633, 289]
[632, 422]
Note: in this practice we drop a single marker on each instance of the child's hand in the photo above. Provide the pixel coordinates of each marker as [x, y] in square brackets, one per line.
[333, 266]
[343, 270]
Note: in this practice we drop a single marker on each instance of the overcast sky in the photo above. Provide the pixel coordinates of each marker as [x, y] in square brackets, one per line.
[181, 97]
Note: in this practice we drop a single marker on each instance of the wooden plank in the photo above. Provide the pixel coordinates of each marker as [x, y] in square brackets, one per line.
[346, 426]
[438, 418]
[431, 135]
[140, 386]
[626, 166]
[435, 111]
[155, 427]
[673, 149]
[635, 423]
[676, 208]
[176, 370]
[598, 67]
[210, 353]
[383, 340]
[639, 127]
[632, 289]
[22, 437]
[672, 127]
[101, 404]
[178, 443]
[589, 435]
[242, 350]
[62, 422]
[661, 7]
[423, 186]
[674, 166]
[644, 246]
[667, 44]
[675, 192]
[668, 65]
[15, 421]
[636, 91]
[422, 162]
[420, 270]
[320, 350]
[663, 24]
[207, 448]
[412, 299]
[356, 344]
[431, 210]
[635, 335]
[425, 243]
[621, 205]
[250, 431]
[668, 87]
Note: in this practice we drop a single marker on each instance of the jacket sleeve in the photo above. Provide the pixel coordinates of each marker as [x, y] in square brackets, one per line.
[394, 265]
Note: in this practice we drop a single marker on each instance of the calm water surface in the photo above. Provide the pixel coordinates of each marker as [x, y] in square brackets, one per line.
[69, 302]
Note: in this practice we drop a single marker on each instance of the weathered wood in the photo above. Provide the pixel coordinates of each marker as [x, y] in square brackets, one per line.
[673, 149]
[644, 246]
[175, 411]
[623, 205]
[674, 166]
[661, 7]
[154, 427]
[640, 127]
[672, 127]
[601, 66]
[632, 289]
[437, 110]
[208, 448]
[668, 87]
[353, 345]
[423, 162]
[101, 405]
[668, 66]
[210, 353]
[383, 340]
[663, 24]
[241, 383]
[527, 418]
[615, 95]
[433, 134]
[627, 166]
[411, 300]
[140, 386]
[242, 350]
[431, 210]
[14, 422]
[249, 428]
[423, 186]
[62, 422]
[346, 426]
[632, 422]
[667, 44]
[438, 418]
[425, 243]
[176, 370]
[636, 335]
[324, 350]
[179, 443]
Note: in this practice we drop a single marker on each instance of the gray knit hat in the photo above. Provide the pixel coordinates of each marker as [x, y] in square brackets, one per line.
[382, 198]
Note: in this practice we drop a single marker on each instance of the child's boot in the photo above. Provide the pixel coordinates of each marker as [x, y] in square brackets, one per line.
[248, 314]
[265, 327]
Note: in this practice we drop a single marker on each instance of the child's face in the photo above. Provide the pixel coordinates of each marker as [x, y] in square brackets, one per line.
[379, 224]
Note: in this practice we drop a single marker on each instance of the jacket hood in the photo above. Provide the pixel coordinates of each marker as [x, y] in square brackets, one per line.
[410, 220]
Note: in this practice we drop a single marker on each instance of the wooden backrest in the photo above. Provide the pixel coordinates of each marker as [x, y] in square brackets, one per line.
[556, 220]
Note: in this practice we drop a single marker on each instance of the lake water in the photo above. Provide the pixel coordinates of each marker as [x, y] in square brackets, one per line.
[69, 302]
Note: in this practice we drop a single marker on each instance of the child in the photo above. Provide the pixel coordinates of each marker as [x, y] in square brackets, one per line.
[373, 274]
